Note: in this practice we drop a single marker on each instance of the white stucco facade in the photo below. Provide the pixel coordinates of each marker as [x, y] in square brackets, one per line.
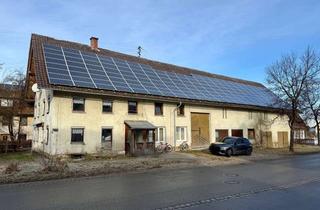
[54, 118]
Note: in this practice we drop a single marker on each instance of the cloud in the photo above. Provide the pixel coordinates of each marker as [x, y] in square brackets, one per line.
[202, 34]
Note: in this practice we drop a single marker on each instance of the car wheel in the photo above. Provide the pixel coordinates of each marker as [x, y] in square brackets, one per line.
[249, 151]
[228, 153]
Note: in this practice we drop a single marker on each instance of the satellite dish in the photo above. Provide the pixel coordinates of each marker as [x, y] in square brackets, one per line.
[35, 88]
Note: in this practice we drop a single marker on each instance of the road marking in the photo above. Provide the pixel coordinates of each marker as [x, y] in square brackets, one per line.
[239, 195]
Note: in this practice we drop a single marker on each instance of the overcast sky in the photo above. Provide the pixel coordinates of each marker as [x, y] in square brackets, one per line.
[236, 38]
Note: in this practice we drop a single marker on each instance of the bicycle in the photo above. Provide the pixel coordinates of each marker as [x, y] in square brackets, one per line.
[183, 146]
[164, 147]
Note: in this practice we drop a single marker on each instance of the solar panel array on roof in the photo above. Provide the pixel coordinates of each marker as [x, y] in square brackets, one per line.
[72, 67]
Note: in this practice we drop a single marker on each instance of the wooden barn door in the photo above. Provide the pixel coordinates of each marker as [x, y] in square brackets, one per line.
[267, 139]
[200, 130]
[283, 139]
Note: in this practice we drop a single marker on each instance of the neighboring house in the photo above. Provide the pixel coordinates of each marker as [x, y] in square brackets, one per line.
[8, 96]
[91, 100]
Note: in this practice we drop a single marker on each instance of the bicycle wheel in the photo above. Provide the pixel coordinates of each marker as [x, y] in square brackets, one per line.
[184, 147]
[159, 149]
[168, 148]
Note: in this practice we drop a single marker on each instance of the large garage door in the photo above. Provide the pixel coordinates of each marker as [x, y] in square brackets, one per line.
[283, 139]
[200, 130]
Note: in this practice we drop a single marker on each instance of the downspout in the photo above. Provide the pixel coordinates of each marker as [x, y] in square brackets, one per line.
[174, 125]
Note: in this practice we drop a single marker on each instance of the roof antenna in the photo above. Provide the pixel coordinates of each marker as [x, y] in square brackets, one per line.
[139, 51]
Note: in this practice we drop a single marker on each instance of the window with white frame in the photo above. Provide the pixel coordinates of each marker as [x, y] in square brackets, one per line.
[77, 135]
[160, 135]
[78, 104]
[181, 133]
[299, 134]
[107, 106]
[106, 135]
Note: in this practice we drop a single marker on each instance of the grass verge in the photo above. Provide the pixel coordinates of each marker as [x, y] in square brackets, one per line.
[17, 156]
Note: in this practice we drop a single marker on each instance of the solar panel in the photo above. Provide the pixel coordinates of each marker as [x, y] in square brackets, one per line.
[72, 67]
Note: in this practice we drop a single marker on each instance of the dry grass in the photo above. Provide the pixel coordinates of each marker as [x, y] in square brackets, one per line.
[53, 164]
[12, 168]
[18, 156]
[298, 149]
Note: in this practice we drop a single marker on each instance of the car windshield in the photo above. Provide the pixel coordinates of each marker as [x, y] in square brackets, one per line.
[229, 140]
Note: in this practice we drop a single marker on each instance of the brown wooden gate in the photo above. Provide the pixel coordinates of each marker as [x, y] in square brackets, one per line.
[283, 139]
[267, 139]
[200, 130]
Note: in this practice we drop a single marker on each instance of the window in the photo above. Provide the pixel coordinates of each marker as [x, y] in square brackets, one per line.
[77, 134]
[5, 138]
[250, 115]
[237, 132]
[180, 111]
[251, 133]
[298, 134]
[158, 108]
[181, 133]
[161, 135]
[265, 116]
[106, 135]
[132, 107]
[23, 121]
[6, 102]
[150, 135]
[107, 106]
[224, 113]
[78, 104]
[221, 133]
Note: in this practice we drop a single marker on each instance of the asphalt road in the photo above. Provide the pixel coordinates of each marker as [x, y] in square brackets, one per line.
[290, 183]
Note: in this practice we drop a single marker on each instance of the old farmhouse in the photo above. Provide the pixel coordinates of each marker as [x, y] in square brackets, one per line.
[93, 100]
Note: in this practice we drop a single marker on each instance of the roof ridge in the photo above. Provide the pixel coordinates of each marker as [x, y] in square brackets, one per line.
[154, 63]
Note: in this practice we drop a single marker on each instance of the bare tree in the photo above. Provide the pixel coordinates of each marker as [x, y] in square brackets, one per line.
[12, 92]
[287, 78]
[311, 97]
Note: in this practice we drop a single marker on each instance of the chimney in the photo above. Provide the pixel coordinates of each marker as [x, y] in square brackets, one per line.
[94, 43]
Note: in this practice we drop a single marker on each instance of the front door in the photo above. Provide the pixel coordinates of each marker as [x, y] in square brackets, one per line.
[200, 130]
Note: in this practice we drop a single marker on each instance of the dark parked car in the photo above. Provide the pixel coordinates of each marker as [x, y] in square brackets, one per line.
[231, 146]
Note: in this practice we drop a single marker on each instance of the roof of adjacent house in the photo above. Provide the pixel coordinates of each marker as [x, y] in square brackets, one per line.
[37, 59]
